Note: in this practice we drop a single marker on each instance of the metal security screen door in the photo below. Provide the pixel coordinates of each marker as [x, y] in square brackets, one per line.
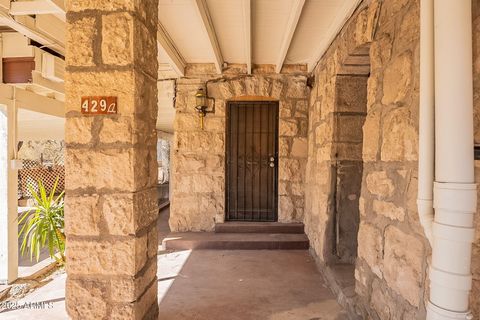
[252, 140]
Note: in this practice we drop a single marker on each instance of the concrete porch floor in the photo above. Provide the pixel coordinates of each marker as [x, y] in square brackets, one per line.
[220, 285]
[244, 285]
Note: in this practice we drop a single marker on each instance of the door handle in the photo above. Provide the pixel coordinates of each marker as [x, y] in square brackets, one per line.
[272, 162]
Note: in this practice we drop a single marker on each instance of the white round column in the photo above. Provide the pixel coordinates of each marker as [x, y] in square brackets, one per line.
[454, 189]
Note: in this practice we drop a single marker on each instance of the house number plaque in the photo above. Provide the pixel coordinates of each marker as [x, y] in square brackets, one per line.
[99, 105]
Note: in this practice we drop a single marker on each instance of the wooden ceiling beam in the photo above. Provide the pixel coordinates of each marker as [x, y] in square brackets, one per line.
[38, 7]
[247, 33]
[202, 9]
[290, 30]
[32, 101]
[176, 60]
[27, 28]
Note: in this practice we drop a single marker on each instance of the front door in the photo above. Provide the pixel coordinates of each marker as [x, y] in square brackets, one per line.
[252, 140]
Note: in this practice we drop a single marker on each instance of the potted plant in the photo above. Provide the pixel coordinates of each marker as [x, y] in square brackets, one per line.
[43, 226]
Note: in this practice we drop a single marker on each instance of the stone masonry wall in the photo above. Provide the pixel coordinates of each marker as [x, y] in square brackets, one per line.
[391, 267]
[198, 157]
[111, 205]
[475, 296]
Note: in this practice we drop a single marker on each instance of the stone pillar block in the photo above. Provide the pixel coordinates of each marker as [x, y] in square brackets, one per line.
[111, 203]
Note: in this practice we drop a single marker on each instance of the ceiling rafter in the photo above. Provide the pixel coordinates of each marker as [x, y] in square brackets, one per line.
[290, 30]
[32, 101]
[247, 33]
[202, 8]
[343, 14]
[33, 33]
[176, 60]
[25, 8]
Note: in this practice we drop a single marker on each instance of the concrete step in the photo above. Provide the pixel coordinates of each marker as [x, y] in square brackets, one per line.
[235, 241]
[258, 227]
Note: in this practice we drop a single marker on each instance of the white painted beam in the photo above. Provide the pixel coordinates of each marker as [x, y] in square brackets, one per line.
[29, 100]
[202, 8]
[38, 7]
[290, 30]
[8, 196]
[52, 26]
[40, 81]
[247, 33]
[177, 62]
[344, 13]
[32, 32]
[35, 102]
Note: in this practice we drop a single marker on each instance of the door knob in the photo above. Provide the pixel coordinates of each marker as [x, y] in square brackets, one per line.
[272, 165]
[272, 159]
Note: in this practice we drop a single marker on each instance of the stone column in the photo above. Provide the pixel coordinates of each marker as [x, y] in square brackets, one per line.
[8, 196]
[111, 169]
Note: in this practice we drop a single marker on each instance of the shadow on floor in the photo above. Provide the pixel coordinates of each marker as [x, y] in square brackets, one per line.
[244, 284]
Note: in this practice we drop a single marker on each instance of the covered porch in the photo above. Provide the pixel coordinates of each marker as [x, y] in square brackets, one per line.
[322, 157]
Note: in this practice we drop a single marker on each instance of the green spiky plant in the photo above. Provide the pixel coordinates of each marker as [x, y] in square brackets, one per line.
[44, 224]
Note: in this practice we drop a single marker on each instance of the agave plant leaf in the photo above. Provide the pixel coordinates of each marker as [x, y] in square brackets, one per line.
[43, 226]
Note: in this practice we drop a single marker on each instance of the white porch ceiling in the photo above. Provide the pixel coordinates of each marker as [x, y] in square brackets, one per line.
[274, 31]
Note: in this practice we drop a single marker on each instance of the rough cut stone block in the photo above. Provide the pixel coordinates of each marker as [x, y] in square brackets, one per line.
[189, 163]
[289, 169]
[152, 243]
[119, 130]
[145, 168]
[186, 121]
[277, 89]
[389, 210]
[403, 264]
[82, 215]
[117, 39]
[286, 209]
[79, 44]
[379, 184]
[349, 128]
[126, 214]
[397, 79]
[138, 309]
[201, 142]
[213, 124]
[299, 148]
[86, 299]
[351, 94]
[371, 247]
[371, 136]
[288, 128]
[348, 151]
[120, 257]
[146, 46]
[324, 132]
[400, 137]
[129, 289]
[297, 88]
[78, 130]
[110, 169]
[383, 304]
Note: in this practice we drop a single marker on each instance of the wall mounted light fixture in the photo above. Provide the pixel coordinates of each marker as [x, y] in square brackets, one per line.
[201, 105]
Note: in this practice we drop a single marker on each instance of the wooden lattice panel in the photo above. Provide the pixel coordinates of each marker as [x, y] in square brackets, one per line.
[47, 175]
